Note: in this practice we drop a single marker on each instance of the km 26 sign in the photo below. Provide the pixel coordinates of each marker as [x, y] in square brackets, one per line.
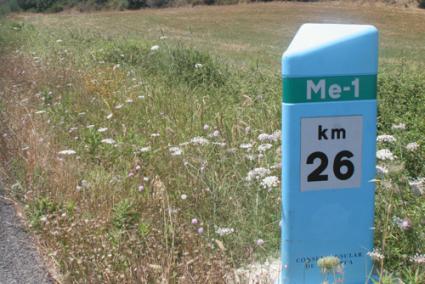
[331, 152]
[328, 151]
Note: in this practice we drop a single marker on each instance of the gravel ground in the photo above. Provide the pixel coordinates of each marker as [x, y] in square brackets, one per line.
[19, 260]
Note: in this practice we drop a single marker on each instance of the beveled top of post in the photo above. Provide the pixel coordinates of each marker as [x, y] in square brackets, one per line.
[332, 50]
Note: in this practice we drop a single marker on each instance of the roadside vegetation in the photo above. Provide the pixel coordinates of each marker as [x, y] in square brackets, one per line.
[140, 160]
[91, 5]
[53, 6]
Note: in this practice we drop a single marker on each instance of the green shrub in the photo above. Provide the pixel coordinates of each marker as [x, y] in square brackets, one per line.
[124, 214]
[136, 4]
[196, 68]
[156, 3]
[114, 4]
[39, 209]
[88, 5]
[8, 6]
[421, 3]
[131, 52]
[36, 5]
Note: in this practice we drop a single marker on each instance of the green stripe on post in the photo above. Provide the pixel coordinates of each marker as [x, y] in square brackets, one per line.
[325, 89]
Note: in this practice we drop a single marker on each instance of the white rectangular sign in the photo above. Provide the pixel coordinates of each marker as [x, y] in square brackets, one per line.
[331, 152]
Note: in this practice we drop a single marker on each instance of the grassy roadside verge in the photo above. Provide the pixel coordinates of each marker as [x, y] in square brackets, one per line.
[139, 162]
[153, 179]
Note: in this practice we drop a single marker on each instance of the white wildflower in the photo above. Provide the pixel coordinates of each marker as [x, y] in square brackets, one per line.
[175, 151]
[385, 154]
[403, 224]
[224, 231]
[194, 221]
[381, 170]
[264, 147]
[40, 112]
[129, 101]
[270, 182]
[67, 152]
[406, 224]
[215, 133]
[277, 135]
[155, 47]
[108, 141]
[418, 259]
[264, 137]
[141, 97]
[172, 210]
[386, 138]
[119, 106]
[102, 129]
[59, 40]
[141, 188]
[145, 149]
[109, 116]
[199, 140]
[72, 129]
[84, 184]
[183, 196]
[198, 65]
[276, 166]
[259, 272]
[412, 146]
[257, 174]
[245, 146]
[200, 230]
[155, 135]
[418, 186]
[259, 242]
[400, 126]
[250, 157]
[206, 127]
[375, 255]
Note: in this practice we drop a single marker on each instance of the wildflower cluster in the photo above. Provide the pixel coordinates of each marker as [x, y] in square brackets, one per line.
[375, 255]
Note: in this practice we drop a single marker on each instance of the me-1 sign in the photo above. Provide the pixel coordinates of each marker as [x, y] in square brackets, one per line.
[328, 151]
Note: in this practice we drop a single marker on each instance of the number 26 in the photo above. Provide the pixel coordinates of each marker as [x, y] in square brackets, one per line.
[317, 175]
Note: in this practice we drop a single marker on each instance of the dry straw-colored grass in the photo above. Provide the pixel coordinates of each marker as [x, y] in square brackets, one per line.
[87, 247]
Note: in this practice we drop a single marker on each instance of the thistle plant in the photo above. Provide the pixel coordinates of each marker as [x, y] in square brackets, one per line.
[331, 269]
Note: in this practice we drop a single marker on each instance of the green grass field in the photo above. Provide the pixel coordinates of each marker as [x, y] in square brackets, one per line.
[248, 34]
[131, 138]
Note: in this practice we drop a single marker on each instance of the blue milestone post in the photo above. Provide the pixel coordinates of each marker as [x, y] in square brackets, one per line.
[328, 152]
